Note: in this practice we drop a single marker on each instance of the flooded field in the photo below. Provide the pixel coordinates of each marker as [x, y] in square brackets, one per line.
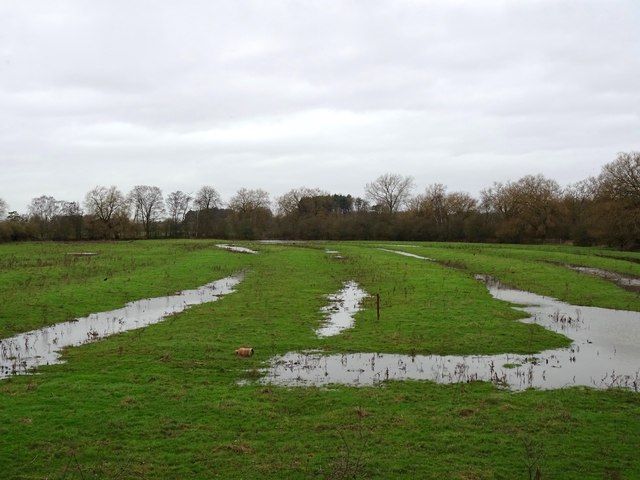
[605, 349]
[605, 353]
[25, 352]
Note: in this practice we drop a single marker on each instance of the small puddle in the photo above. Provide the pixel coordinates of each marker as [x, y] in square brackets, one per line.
[236, 248]
[24, 352]
[605, 353]
[339, 313]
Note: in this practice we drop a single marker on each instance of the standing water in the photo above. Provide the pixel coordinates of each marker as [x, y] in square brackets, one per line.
[343, 305]
[26, 351]
[630, 283]
[605, 353]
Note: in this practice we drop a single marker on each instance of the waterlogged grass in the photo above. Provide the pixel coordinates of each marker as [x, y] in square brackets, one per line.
[541, 270]
[42, 283]
[429, 308]
[164, 401]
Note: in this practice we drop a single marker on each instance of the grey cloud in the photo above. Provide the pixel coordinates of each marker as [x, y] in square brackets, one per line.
[459, 92]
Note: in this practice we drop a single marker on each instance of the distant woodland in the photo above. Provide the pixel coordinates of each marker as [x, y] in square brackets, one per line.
[602, 210]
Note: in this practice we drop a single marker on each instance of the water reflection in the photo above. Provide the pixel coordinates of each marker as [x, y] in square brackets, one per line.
[236, 248]
[22, 353]
[605, 353]
[339, 313]
[406, 254]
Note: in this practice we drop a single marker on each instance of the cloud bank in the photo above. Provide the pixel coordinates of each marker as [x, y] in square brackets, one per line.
[328, 94]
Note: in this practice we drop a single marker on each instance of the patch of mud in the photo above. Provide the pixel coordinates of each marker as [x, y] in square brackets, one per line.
[605, 353]
[629, 283]
[236, 248]
[341, 309]
[23, 353]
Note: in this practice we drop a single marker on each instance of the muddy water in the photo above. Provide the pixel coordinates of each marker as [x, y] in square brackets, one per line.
[342, 306]
[605, 353]
[24, 352]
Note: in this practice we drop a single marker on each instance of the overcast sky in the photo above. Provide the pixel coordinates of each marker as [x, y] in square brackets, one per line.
[320, 93]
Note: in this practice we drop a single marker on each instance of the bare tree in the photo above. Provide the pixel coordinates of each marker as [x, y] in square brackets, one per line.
[207, 201]
[247, 201]
[390, 191]
[68, 223]
[616, 212]
[148, 205]
[70, 209]
[584, 191]
[442, 205]
[252, 213]
[207, 198]
[4, 208]
[361, 205]
[289, 202]
[539, 199]
[620, 179]
[499, 199]
[442, 215]
[108, 206]
[528, 208]
[461, 203]
[578, 202]
[177, 207]
[432, 203]
[44, 208]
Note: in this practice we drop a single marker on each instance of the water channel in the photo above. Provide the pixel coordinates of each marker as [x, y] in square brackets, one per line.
[605, 352]
[25, 352]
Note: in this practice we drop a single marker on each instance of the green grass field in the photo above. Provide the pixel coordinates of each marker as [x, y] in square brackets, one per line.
[166, 401]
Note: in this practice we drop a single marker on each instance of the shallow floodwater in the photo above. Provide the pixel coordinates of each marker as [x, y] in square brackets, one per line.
[625, 282]
[605, 353]
[22, 353]
[342, 306]
[236, 248]
[406, 254]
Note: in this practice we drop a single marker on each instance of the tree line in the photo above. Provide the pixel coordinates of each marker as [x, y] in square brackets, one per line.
[602, 210]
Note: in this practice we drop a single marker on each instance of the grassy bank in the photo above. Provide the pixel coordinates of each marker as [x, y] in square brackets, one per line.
[165, 402]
